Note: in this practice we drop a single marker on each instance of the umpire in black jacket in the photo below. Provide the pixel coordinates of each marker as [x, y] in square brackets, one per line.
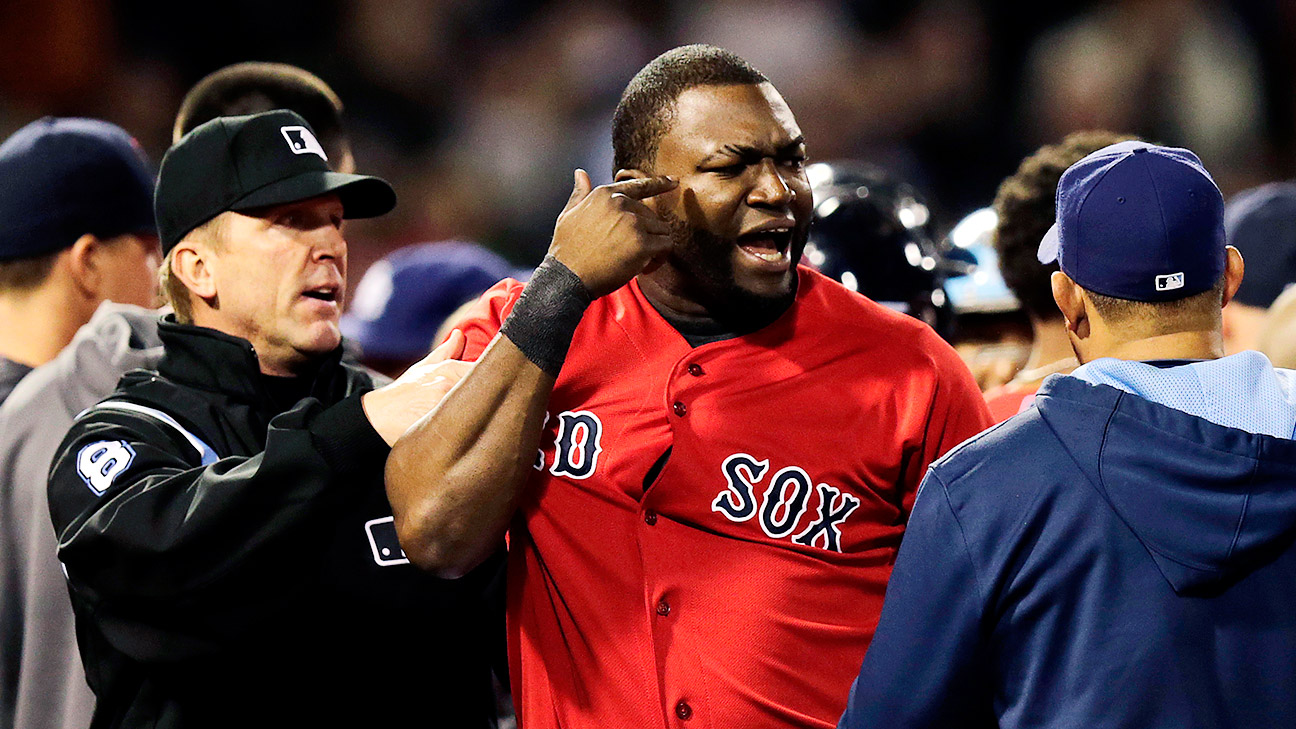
[227, 539]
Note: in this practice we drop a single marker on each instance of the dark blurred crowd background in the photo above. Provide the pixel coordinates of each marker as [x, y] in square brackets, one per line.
[477, 110]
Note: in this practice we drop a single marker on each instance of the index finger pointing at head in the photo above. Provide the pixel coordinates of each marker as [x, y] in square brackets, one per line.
[643, 187]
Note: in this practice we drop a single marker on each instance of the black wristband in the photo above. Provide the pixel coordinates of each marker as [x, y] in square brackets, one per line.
[546, 315]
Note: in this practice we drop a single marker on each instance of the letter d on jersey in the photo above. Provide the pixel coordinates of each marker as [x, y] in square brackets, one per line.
[99, 464]
[577, 448]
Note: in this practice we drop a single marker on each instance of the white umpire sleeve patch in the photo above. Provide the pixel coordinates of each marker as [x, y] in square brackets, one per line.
[384, 543]
[99, 464]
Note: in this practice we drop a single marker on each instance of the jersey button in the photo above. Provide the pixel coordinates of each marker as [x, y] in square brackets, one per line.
[650, 518]
[680, 409]
[663, 607]
[683, 711]
[696, 370]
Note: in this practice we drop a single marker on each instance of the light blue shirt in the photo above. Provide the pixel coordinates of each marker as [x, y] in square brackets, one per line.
[1243, 391]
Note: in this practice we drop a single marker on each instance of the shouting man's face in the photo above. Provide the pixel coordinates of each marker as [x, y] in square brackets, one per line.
[742, 209]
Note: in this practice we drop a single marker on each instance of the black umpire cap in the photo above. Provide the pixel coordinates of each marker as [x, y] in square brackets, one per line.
[255, 161]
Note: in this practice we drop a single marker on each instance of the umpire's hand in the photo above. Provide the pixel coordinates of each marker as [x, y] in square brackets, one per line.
[393, 409]
[607, 236]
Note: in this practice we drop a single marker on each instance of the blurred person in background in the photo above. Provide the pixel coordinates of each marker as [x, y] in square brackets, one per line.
[1277, 336]
[253, 87]
[990, 331]
[1261, 224]
[1182, 70]
[1025, 209]
[870, 233]
[36, 622]
[76, 198]
[405, 299]
[76, 233]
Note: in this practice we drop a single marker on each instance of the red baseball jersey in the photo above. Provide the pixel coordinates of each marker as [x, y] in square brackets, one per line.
[1007, 400]
[708, 533]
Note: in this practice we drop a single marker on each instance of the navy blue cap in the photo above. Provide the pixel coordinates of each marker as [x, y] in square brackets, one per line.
[1140, 222]
[1261, 224]
[64, 178]
[405, 297]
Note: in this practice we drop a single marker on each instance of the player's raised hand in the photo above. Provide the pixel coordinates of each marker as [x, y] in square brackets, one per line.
[606, 235]
[394, 408]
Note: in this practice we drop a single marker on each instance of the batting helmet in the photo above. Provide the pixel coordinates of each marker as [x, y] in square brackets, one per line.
[871, 232]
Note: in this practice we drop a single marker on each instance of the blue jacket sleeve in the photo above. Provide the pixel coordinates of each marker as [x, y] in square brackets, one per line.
[926, 666]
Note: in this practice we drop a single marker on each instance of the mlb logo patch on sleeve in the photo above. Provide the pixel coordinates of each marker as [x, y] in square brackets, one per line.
[99, 464]
[384, 542]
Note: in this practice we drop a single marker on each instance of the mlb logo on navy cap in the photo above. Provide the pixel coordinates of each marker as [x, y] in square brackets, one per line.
[302, 141]
[1140, 222]
[1170, 282]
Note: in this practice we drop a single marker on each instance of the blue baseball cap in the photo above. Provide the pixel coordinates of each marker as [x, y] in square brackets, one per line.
[1140, 222]
[405, 296]
[61, 178]
[1261, 224]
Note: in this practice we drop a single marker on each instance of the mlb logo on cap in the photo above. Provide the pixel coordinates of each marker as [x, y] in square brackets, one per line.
[302, 141]
[1170, 282]
[1140, 222]
[237, 163]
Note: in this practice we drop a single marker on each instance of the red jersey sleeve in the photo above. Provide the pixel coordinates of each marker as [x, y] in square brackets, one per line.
[483, 320]
[958, 412]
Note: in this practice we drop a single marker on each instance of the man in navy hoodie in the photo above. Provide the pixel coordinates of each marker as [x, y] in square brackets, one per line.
[1121, 554]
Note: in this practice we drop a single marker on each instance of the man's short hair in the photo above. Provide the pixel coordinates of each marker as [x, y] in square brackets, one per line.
[254, 87]
[20, 275]
[647, 106]
[1026, 205]
[1198, 312]
[174, 292]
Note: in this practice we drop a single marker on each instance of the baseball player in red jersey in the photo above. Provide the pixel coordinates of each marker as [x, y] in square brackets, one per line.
[706, 491]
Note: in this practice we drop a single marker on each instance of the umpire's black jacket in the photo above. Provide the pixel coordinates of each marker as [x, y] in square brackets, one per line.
[233, 563]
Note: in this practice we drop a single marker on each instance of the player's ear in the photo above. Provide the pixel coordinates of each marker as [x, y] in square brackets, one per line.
[191, 262]
[630, 174]
[1234, 269]
[83, 264]
[1070, 301]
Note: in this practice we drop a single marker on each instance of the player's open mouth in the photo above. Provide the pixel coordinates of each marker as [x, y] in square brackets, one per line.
[323, 293]
[770, 245]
